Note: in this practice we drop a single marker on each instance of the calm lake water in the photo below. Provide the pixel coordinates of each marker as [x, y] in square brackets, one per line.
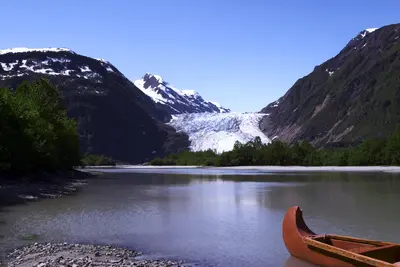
[210, 217]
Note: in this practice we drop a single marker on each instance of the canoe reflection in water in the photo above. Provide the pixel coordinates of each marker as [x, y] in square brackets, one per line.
[334, 250]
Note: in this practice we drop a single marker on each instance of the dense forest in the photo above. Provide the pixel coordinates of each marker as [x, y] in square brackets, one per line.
[385, 151]
[35, 132]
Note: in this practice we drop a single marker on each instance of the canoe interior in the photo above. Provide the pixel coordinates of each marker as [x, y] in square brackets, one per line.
[355, 248]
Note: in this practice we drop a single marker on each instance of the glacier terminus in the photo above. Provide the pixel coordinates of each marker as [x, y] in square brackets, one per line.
[219, 131]
[207, 124]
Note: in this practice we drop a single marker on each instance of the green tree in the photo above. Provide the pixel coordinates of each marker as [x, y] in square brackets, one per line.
[36, 133]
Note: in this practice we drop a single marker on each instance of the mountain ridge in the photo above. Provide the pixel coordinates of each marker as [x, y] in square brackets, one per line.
[114, 117]
[349, 97]
[173, 100]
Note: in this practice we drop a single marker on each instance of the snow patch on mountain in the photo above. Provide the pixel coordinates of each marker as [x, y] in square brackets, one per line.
[174, 100]
[48, 62]
[275, 104]
[364, 33]
[219, 131]
[330, 72]
[367, 31]
[25, 50]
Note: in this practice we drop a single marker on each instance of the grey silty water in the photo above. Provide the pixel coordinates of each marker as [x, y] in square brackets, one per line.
[209, 217]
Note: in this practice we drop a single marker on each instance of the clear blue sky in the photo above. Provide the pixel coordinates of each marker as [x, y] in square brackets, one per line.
[241, 53]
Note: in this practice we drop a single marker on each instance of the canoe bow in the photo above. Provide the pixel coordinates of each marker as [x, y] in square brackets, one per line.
[334, 250]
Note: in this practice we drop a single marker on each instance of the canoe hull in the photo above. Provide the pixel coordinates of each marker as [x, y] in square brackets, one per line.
[293, 231]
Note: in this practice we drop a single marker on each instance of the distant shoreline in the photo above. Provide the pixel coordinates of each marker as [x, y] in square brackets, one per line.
[388, 169]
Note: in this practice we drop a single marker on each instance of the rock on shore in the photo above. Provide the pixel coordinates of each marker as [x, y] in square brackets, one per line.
[77, 255]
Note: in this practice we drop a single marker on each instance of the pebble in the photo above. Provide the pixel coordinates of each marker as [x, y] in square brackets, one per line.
[79, 255]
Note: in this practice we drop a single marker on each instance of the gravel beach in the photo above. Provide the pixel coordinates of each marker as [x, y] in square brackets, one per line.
[78, 255]
[18, 191]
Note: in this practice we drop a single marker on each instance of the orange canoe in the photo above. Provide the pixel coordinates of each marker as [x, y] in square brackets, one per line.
[334, 250]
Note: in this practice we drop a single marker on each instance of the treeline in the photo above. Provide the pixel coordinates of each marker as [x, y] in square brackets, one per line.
[35, 132]
[97, 160]
[385, 151]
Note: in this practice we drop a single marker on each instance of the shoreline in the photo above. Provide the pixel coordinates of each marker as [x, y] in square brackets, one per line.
[15, 190]
[65, 254]
[387, 169]
[25, 188]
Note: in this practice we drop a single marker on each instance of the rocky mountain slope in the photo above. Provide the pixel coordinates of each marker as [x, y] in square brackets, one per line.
[174, 101]
[114, 117]
[350, 97]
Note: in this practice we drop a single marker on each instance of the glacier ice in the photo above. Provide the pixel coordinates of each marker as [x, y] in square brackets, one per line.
[219, 131]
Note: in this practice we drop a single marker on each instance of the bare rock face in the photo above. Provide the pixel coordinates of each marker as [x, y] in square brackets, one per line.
[114, 117]
[350, 97]
[151, 81]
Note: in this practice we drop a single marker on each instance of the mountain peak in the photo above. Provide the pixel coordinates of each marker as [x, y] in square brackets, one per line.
[174, 100]
[148, 75]
[152, 81]
[364, 33]
[367, 31]
[371, 30]
[25, 50]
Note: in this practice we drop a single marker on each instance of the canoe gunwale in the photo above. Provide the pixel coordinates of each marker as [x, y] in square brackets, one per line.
[348, 254]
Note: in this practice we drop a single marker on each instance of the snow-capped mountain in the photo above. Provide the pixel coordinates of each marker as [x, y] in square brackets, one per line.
[19, 62]
[114, 117]
[173, 100]
[219, 131]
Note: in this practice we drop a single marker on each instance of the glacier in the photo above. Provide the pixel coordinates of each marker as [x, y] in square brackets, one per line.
[219, 131]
